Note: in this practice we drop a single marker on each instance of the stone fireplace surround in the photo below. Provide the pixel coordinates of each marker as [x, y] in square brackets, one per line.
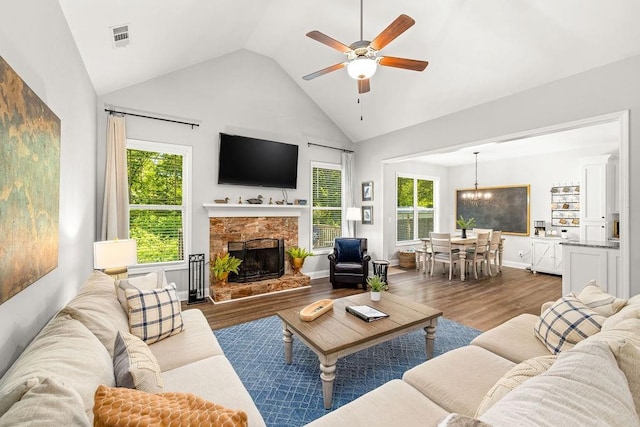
[226, 224]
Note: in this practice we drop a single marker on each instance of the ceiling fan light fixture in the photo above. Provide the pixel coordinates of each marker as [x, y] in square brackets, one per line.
[362, 68]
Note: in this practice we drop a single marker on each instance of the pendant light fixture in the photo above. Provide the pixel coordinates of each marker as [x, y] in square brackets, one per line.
[475, 197]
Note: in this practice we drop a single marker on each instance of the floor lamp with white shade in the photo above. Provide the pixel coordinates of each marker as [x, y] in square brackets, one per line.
[353, 214]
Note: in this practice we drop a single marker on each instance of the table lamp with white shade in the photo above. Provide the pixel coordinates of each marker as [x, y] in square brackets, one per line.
[353, 214]
[114, 256]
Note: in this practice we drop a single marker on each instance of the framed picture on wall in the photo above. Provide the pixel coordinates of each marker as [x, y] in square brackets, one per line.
[367, 191]
[367, 215]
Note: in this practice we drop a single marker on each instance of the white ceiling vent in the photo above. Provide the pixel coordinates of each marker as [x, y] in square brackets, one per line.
[120, 35]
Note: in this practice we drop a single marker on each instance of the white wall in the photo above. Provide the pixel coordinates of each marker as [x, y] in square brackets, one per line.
[604, 90]
[37, 44]
[242, 93]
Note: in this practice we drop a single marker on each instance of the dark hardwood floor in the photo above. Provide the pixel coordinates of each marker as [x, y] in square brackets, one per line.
[481, 304]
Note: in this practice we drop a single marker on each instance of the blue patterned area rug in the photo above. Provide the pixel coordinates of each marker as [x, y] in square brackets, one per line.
[291, 395]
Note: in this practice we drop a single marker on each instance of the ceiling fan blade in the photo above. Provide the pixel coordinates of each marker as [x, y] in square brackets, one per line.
[363, 86]
[325, 39]
[409, 64]
[324, 71]
[397, 27]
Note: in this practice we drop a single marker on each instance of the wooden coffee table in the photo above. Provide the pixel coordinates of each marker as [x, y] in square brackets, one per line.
[338, 333]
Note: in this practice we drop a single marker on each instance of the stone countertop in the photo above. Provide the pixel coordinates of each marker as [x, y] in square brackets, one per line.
[592, 244]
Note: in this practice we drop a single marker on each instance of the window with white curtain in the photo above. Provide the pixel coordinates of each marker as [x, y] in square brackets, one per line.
[415, 207]
[159, 210]
[326, 204]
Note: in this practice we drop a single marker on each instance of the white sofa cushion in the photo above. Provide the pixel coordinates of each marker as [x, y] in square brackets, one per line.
[154, 314]
[629, 311]
[66, 351]
[567, 322]
[583, 387]
[48, 403]
[513, 339]
[97, 307]
[394, 403]
[459, 379]
[215, 380]
[196, 336]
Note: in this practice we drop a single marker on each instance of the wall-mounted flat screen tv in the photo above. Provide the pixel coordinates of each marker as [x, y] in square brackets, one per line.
[257, 162]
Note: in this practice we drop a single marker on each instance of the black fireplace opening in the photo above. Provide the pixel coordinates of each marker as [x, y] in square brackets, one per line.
[261, 259]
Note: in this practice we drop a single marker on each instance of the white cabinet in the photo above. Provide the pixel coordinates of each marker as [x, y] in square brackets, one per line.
[546, 255]
[585, 263]
[596, 198]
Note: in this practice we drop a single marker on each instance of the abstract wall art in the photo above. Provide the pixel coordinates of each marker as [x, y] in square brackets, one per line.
[29, 185]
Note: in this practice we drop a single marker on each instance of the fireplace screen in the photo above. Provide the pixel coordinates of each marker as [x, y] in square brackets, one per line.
[261, 259]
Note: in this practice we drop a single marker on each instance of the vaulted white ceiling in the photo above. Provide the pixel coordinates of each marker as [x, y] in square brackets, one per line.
[478, 51]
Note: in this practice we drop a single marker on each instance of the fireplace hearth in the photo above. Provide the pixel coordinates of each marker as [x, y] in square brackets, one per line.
[262, 259]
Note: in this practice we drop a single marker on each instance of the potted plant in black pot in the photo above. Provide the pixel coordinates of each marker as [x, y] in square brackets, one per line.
[464, 224]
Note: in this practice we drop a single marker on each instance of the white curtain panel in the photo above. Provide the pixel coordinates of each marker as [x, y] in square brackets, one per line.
[347, 191]
[115, 210]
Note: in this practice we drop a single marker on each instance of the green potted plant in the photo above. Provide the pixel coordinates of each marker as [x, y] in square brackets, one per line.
[222, 265]
[377, 285]
[464, 224]
[297, 255]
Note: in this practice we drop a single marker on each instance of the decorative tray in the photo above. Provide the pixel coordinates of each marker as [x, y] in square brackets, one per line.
[318, 308]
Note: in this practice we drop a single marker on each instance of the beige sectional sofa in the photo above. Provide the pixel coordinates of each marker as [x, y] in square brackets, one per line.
[508, 377]
[54, 380]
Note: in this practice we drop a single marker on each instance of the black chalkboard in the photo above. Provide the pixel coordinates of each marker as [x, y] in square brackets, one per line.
[508, 209]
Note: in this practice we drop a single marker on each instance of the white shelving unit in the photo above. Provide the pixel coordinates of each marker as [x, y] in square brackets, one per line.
[565, 206]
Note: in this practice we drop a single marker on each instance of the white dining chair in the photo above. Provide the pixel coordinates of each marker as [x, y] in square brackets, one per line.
[492, 253]
[478, 254]
[442, 251]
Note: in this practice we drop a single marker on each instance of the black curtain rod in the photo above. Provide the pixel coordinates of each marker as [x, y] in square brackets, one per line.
[151, 117]
[309, 144]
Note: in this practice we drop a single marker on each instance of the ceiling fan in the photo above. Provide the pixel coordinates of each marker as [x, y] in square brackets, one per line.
[362, 56]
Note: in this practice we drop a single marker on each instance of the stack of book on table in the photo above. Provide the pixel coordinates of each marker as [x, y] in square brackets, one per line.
[366, 313]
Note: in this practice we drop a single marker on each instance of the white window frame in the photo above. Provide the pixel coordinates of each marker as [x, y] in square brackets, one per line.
[323, 165]
[186, 153]
[416, 208]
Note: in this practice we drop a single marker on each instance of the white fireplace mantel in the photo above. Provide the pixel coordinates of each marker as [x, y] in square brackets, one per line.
[219, 210]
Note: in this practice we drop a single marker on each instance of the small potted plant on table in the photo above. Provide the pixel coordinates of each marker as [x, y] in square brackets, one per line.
[377, 285]
[297, 255]
[464, 224]
[224, 264]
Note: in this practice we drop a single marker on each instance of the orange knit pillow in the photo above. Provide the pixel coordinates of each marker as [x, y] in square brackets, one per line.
[120, 407]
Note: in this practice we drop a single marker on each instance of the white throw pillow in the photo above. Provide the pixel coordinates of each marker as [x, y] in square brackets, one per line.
[584, 387]
[515, 377]
[134, 365]
[154, 280]
[599, 301]
[567, 322]
[154, 314]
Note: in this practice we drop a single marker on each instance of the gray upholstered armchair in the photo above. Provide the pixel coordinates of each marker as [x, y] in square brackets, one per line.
[349, 262]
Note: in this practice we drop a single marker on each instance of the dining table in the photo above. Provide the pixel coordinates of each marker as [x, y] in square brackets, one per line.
[462, 243]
